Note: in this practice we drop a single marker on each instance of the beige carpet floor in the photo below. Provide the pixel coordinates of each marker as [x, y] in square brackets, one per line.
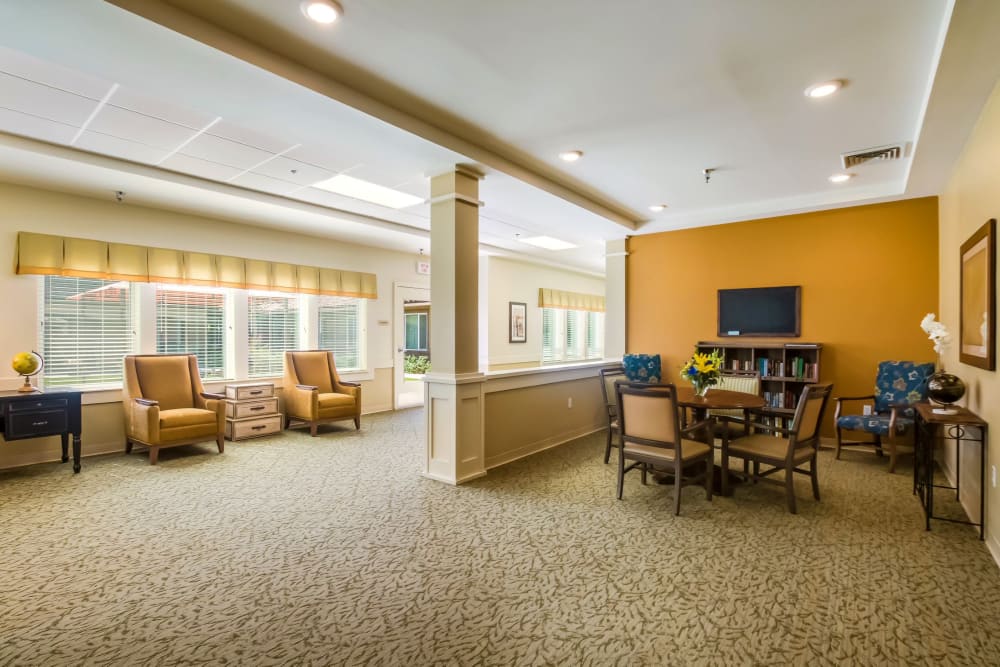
[334, 551]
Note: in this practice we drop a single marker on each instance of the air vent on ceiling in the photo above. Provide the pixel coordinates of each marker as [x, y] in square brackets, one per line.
[882, 153]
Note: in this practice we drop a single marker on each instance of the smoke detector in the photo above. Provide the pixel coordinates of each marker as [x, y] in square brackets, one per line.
[881, 153]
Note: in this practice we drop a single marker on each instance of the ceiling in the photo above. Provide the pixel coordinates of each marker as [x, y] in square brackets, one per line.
[236, 108]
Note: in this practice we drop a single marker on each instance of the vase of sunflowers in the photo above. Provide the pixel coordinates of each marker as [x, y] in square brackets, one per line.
[702, 370]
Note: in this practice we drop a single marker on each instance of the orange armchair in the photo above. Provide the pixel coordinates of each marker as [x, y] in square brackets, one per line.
[166, 405]
[314, 393]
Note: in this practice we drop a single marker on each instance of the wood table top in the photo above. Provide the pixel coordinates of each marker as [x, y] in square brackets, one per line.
[718, 399]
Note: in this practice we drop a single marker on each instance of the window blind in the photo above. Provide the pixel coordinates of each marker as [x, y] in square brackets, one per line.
[86, 330]
[193, 321]
[548, 334]
[572, 334]
[273, 327]
[341, 330]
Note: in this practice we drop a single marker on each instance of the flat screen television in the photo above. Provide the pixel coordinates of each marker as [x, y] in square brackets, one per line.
[760, 311]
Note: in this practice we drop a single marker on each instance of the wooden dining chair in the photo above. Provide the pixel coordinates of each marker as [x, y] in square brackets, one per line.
[609, 376]
[651, 436]
[799, 446]
[736, 422]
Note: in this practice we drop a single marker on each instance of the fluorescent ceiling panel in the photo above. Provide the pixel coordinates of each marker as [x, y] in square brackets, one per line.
[369, 192]
[548, 243]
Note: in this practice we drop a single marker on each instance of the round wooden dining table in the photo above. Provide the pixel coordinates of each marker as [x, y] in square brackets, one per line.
[715, 399]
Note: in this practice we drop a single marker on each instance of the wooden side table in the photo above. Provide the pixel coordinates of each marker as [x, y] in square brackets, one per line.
[251, 411]
[38, 414]
[932, 428]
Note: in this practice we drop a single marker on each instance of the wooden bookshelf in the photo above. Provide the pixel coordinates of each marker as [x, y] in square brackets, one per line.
[784, 368]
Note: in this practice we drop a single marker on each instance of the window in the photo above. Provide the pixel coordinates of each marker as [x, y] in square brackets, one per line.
[86, 330]
[192, 320]
[416, 332]
[569, 335]
[273, 327]
[341, 329]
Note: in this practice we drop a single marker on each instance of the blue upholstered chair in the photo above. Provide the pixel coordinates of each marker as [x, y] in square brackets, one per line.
[642, 368]
[898, 386]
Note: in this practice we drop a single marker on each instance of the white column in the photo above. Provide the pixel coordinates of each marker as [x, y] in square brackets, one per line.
[615, 257]
[453, 392]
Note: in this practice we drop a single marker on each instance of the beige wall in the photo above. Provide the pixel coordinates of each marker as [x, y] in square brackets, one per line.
[527, 420]
[971, 197]
[509, 280]
[28, 209]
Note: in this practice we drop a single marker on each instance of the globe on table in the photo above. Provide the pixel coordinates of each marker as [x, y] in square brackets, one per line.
[27, 364]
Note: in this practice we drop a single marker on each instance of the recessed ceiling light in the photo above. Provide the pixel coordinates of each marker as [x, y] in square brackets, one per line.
[369, 192]
[548, 243]
[322, 11]
[570, 156]
[824, 89]
[841, 178]
[656, 208]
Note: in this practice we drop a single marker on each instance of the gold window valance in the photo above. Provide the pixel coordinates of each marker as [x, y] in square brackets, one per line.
[557, 298]
[85, 258]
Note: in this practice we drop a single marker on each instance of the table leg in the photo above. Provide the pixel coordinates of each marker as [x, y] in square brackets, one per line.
[958, 464]
[76, 452]
[929, 483]
[982, 483]
[65, 447]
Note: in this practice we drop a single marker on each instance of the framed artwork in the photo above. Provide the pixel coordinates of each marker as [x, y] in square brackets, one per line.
[977, 331]
[518, 322]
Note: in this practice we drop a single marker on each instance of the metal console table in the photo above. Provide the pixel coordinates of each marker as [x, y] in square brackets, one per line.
[932, 428]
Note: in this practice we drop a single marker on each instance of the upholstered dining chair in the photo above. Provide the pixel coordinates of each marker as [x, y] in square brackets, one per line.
[784, 454]
[166, 404]
[609, 376]
[898, 385]
[651, 436]
[737, 422]
[315, 394]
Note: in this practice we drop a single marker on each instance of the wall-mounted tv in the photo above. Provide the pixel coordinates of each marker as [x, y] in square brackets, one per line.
[760, 311]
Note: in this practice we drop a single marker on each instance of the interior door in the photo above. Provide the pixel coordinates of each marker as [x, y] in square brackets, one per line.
[411, 337]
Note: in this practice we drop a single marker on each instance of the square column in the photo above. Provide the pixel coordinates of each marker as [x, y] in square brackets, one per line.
[453, 391]
[615, 263]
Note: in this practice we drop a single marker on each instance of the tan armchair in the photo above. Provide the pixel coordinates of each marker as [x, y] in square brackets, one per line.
[166, 405]
[314, 393]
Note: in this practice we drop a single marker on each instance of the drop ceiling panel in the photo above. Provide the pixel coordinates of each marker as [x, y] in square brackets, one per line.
[248, 137]
[118, 147]
[39, 100]
[140, 128]
[127, 98]
[264, 184]
[327, 158]
[16, 122]
[223, 151]
[415, 216]
[193, 166]
[33, 69]
[282, 167]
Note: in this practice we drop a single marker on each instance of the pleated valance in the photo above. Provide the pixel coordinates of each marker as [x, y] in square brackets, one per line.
[557, 298]
[84, 258]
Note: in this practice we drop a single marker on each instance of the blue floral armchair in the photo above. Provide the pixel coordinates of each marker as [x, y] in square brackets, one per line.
[898, 385]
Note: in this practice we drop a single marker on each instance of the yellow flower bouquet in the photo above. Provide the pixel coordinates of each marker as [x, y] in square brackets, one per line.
[703, 370]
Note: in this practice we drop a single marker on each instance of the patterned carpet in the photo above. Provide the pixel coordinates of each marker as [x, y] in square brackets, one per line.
[334, 551]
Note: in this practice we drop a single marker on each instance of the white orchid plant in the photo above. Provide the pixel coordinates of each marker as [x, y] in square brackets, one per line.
[937, 332]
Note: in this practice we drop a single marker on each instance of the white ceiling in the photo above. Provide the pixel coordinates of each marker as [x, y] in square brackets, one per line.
[651, 92]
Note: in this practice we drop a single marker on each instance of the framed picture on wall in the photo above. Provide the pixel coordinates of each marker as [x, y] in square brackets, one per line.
[977, 319]
[518, 322]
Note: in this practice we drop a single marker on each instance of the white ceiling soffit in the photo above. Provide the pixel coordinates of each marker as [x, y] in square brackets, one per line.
[672, 88]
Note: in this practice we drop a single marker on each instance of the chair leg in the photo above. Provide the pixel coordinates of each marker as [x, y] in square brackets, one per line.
[839, 438]
[128, 446]
[607, 448]
[357, 423]
[756, 471]
[621, 474]
[644, 469]
[892, 453]
[708, 478]
[878, 445]
[313, 426]
[815, 479]
[790, 490]
[220, 442]
[677, 489]
[154, 455]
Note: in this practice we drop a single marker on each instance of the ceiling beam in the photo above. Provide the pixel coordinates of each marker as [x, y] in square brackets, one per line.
[325, 74]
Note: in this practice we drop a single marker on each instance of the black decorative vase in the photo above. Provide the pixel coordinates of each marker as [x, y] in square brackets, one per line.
[945, 388]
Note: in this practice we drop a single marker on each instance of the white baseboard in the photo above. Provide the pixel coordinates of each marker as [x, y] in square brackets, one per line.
[541, 445]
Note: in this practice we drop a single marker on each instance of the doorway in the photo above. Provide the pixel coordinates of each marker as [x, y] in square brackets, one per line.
[412, 338]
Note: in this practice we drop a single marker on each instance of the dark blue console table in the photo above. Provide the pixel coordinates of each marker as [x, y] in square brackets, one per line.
[37, 414]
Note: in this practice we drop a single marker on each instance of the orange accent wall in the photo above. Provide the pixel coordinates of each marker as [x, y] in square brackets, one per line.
[868, 276]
